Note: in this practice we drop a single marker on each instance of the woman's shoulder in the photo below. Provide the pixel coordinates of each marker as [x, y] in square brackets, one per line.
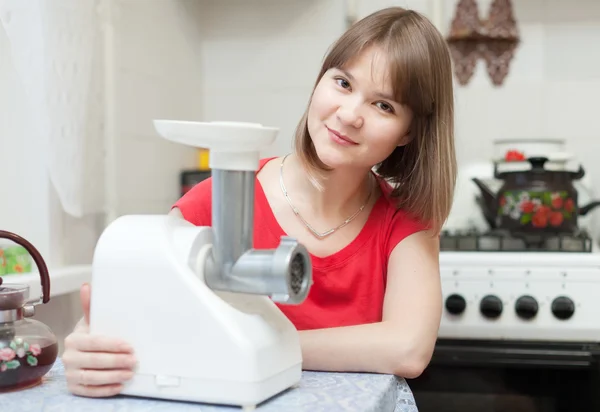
[195, 204]
[396, 222]
[263, 161]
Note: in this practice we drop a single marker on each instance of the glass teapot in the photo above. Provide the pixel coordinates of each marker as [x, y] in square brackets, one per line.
[28, 348]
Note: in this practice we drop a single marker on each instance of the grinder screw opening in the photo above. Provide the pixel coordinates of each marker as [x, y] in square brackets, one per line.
[292, 259]
[297, 273]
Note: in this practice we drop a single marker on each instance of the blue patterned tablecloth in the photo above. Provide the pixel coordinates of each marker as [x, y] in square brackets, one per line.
[317, 392]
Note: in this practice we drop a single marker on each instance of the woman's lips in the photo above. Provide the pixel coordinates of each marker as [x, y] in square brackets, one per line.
[340, 138]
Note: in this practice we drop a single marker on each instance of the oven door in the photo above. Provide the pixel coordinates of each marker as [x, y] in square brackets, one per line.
[510, 376]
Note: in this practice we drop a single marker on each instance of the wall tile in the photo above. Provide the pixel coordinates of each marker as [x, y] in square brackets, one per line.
[558, 12]
[484, 114]
[150, 171]
[241, 51]
[571, 109]
[142, 98]
[157, 39]
[145, 206]
[158, 77]
[572, 52]
[265, 19]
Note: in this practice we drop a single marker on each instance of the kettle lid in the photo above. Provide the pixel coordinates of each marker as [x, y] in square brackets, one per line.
[13, 296]
[561, 162]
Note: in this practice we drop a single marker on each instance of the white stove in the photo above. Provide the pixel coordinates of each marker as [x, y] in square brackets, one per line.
[527, 295]
[521, 319]
[500, 288]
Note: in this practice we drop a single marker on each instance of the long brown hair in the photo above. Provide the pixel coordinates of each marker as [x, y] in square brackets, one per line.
[423, 172]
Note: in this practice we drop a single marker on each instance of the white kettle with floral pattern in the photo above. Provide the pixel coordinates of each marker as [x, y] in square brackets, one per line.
[28, 348]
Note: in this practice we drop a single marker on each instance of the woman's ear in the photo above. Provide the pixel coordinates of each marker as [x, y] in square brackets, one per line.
[406, 139]
[410, 126]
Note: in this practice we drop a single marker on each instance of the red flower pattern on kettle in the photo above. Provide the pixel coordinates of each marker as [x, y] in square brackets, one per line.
[528, 206]
[569, 205]
[540, 209]
[539, 220]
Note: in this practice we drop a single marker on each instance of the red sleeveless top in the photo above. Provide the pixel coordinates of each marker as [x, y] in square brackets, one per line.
[349, 286]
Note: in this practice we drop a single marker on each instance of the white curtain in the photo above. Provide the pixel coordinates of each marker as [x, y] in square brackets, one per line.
[57, 50]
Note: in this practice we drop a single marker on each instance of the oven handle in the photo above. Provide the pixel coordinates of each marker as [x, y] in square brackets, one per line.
[520, 354]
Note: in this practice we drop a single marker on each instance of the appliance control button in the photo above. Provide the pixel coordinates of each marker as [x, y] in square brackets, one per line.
[164, 380]
[563, 307]
[455, 304]
[526, 307]
[491, 306]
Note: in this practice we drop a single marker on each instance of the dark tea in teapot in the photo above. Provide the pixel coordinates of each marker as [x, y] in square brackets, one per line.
[24, 358]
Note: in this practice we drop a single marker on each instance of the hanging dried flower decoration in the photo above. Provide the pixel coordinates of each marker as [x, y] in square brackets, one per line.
[494, 40]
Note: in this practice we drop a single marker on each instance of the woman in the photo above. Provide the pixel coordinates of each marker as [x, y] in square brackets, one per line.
[366, 191]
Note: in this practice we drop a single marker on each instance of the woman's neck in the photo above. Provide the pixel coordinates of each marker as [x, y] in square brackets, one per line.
[342, 192]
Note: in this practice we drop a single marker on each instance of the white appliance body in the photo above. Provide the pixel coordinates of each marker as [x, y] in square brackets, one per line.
[197, 303]
[192, 343]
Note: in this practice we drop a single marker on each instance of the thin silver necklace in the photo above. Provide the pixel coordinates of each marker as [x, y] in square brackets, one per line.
[308, 226]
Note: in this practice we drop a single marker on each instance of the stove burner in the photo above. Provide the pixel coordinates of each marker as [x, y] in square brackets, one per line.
[501, 241]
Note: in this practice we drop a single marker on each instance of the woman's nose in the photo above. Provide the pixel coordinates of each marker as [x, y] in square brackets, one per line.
[349, 115]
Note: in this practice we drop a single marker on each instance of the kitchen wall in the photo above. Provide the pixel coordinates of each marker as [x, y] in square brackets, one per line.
[158, 72]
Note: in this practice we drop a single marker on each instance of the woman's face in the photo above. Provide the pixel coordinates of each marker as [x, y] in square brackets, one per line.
[353, 119]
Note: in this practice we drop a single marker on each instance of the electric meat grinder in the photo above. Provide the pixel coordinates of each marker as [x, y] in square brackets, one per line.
[197, 303]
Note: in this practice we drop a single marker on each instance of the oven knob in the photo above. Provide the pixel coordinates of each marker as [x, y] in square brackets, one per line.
[526, 307]
[563, 307]
[491, 306]
[456, 304]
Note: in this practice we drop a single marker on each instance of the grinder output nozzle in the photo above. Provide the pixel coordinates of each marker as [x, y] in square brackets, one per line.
[284, 274]
[290, 259]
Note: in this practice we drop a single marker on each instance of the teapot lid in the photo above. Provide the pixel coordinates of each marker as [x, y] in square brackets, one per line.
[559, 163]
[13, 296]
[536, 166]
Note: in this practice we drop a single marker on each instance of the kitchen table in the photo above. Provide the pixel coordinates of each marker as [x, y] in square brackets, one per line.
[317, 392]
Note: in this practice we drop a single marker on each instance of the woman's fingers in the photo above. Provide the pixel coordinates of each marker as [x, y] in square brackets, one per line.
[98, 360]
[91, 377]
[95, 391]
[92, 343]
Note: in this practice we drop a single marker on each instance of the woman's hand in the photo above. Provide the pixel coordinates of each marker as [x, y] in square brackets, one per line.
[95, 366]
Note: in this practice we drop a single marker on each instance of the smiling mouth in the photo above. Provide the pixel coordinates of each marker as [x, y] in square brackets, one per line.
[341, 136]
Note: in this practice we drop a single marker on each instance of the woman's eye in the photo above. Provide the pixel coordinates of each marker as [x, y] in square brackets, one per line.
[343, 83]
[385, 107]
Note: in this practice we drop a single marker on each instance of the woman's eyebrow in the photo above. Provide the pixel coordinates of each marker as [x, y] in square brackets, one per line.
[347, 74]
[385, 96]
